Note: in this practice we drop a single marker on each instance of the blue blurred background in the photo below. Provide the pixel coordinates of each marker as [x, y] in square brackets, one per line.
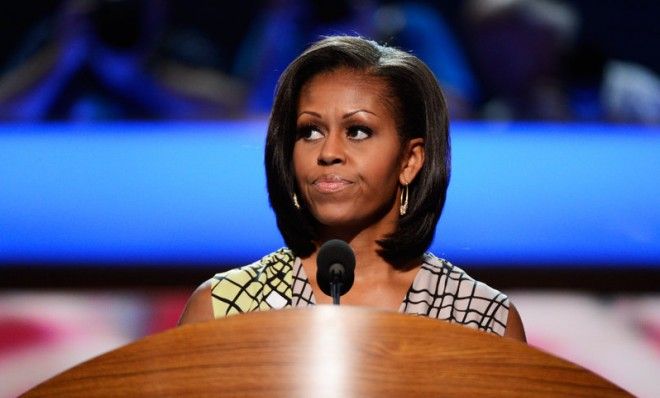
[173, 193]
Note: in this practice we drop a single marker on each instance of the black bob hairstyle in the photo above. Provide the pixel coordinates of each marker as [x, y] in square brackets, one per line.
[420, 111]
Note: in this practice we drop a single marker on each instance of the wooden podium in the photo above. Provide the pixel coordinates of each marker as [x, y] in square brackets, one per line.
[325, 351]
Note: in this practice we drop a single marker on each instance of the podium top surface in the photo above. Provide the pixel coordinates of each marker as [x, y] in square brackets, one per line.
[326, 351]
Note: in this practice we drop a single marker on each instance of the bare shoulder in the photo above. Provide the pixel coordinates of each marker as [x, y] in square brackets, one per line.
[199, 307]
[514, 325]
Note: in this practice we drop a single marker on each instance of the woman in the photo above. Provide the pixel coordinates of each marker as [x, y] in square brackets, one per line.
[358, 150]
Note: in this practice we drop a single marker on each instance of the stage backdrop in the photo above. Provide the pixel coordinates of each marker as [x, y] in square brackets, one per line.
[181, 193]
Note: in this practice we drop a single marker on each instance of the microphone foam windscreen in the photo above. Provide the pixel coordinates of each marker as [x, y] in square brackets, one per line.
[333, 252]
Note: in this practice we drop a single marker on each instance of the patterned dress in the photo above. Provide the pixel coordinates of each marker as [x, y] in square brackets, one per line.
[439, 290]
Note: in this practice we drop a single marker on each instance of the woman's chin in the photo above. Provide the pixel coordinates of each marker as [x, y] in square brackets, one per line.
[339, 221]
[350, 224]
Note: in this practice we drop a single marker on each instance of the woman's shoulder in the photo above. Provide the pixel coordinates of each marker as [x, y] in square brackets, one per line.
[276, 261]
[434, 266]
[445, 291]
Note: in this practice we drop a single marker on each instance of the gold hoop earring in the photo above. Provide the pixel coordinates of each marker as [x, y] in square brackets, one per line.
[403, 209]
[295, 201]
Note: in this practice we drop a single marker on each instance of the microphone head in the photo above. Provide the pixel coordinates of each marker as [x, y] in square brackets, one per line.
[335, 257]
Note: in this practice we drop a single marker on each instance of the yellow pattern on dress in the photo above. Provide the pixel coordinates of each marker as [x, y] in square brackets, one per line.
[260, 286]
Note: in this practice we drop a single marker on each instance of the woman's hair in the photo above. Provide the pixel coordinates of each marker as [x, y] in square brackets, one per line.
[420, 111]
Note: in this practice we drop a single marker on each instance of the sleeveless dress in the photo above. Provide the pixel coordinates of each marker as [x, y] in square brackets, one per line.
[440, 290]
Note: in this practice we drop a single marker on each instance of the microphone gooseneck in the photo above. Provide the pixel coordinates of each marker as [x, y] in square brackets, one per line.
[335, 268]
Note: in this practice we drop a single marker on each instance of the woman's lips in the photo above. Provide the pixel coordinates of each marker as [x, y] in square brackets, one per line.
[330, 183]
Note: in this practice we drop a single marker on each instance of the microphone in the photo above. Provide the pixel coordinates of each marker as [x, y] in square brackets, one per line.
[335, 268]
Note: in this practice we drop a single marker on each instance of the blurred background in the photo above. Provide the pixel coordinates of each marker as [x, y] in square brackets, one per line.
[131, 142]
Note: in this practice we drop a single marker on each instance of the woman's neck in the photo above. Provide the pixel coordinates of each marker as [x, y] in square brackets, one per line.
[378, 283]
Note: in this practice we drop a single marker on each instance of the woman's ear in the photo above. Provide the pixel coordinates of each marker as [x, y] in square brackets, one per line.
[412, 161]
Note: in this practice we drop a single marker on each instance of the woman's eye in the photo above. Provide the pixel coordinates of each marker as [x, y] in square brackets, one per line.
[359, 133]
[310, 133]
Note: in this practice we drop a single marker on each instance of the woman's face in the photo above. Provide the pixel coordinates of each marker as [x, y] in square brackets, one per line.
[347, 157]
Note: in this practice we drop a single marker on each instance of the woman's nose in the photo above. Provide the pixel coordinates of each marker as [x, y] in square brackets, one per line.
[332, 150]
